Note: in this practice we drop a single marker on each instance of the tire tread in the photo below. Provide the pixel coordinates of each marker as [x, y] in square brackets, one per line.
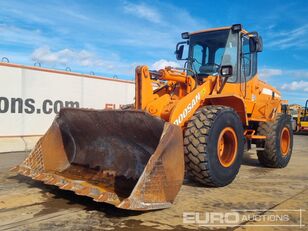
[195, 141]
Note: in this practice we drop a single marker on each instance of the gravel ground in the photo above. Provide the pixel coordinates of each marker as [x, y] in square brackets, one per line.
[26, 204]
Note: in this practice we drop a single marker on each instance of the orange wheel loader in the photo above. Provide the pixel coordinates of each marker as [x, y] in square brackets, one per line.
[200, 118]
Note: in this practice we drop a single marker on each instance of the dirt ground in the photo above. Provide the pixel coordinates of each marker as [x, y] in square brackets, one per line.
[26, 204]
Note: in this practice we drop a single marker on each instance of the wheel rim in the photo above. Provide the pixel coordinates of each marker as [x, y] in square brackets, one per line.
[227, 147]
[285, 141]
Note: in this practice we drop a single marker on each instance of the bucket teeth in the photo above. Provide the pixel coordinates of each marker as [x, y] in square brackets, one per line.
[108, 197]
[33, 174]
[46, 177]
[83, 192]
[51, 181]
[61, 181]
[94, 192]
[15, 169]
[77, 186]
[20, 170]
[103, 197]
[39, 176]
[67, 186]
[25, 171]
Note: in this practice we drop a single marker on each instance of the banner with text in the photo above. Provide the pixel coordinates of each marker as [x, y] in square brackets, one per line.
[31, 97]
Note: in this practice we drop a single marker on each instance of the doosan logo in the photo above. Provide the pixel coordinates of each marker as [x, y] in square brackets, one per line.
[188, 109]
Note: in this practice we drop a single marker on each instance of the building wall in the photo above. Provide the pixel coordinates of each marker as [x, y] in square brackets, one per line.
[30, 97]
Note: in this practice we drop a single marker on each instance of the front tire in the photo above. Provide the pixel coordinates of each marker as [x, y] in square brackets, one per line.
[214, 145]
[278, 145]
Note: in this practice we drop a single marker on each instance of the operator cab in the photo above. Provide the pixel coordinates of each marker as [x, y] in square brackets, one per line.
[305, 113]
[224, 51]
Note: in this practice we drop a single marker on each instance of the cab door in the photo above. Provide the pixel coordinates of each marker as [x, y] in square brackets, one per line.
[248, 72]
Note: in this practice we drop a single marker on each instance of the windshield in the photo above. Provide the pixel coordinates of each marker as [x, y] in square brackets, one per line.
[210, 50]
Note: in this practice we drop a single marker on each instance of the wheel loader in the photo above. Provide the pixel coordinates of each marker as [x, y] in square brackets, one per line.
[300, 119]
[197, 120]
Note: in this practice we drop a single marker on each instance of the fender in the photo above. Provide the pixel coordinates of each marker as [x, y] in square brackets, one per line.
[232, 101]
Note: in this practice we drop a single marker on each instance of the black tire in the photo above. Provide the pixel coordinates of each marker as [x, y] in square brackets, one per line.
[200, 145]
[272, 155]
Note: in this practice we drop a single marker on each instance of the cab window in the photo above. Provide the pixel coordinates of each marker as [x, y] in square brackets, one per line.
[198, 56]
[248, 62]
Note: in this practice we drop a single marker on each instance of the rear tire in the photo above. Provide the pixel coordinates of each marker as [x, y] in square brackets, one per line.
[279, 142]
[214, 145]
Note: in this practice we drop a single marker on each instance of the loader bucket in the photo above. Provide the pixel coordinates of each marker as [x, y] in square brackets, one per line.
[126, 158]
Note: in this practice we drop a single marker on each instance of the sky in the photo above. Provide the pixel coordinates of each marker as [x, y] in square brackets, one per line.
[111, 38]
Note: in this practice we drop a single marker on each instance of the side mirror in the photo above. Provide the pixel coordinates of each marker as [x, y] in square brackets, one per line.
[259, 44]
[179, 52]
[226, 71]
[255, 42]
[252, 45]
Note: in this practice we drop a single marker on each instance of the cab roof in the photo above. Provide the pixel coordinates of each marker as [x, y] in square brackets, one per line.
[216, 29]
